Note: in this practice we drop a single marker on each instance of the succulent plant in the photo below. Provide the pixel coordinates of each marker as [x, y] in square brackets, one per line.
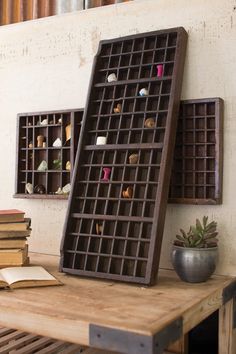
[202, 235]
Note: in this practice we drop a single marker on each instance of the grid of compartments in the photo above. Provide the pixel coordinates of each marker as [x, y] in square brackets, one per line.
[115, 219]
[46, 152]
[197, 170]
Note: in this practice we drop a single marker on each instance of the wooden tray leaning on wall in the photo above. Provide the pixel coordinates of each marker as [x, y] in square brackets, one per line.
[48, 126]
[198, 159]
[114, 227]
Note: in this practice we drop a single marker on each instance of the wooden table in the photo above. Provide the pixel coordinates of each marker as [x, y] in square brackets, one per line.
[121, 317]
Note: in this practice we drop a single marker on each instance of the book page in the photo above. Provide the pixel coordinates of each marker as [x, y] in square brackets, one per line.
[15, 274]
[3, 282]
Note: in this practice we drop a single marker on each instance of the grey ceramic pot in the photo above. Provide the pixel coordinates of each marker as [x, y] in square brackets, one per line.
[194, 265]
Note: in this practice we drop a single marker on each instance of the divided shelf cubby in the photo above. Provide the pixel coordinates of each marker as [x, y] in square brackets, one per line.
[116, 211]
[37, 134]
[198, 158]
[198, 120]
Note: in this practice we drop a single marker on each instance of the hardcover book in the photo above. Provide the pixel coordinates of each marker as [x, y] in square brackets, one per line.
[16, 226]
[24, 277]
[11, 215]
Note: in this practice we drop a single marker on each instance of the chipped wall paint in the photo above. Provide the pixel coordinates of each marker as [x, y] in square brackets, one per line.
[45, 65]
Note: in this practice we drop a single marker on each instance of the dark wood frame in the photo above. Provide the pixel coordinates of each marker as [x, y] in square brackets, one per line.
[197, 172]
[26, 168]
[79, 235]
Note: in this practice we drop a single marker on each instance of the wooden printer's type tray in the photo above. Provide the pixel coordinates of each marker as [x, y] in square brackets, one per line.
[116, 211]
[47, 139]
[198, 159]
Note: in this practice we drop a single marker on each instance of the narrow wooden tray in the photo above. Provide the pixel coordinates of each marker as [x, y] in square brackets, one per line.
[198, 160]
[115, 218]
[48, 126]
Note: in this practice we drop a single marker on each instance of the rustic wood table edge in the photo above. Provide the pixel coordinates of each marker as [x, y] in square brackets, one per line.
[121, 317]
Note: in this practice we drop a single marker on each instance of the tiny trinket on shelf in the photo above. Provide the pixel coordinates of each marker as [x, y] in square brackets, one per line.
[128, 193]
[159, 70]
[68, 166]
[59, 121]
[56, 164]
[39, 189]
[107, 172]
[98, 229]
[144, 92]
[68, 132]
[57, 143]
[133, 159]
[40, 139]
[101, 140]
[43, 166]
[149, 123]
[29, 188]
[117, 109]
[30, 144]
[66, 189]
[112, 77]
[44, 122]
[59, 191]
[44, 144]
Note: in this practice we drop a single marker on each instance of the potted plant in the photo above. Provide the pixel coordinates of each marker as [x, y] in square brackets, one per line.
[195, 253]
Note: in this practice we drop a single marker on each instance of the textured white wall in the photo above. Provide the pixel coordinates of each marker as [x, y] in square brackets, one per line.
[45, 65]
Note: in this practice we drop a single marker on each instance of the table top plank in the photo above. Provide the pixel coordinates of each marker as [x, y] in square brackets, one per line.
[65, 312]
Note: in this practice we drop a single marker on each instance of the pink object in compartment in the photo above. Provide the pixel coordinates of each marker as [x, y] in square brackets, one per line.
[160, 70]
[107, 172]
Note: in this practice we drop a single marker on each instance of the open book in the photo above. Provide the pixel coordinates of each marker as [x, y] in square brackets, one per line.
[24, 277]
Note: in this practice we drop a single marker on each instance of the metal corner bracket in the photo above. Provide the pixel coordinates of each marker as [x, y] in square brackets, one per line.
[134, 343]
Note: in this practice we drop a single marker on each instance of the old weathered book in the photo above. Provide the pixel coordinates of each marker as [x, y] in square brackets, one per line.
[24, 277]
[26, 263]
[11, 215]
[16, 226]
[15, 256]
[15, 234]
[13, 242]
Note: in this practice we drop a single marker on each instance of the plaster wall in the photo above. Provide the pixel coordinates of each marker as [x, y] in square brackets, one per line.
[45, 65]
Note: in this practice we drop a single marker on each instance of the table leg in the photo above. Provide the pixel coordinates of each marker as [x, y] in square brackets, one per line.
[227, 332]
[180, 346]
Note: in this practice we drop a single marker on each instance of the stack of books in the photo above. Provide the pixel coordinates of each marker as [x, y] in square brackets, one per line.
[14, 230]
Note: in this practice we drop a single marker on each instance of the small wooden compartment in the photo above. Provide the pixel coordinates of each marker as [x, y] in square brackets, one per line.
[198, 162]
[48, 138]
[116, 213]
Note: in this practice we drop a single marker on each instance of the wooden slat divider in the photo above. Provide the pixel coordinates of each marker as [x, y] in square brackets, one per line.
[44, 8]
[18, 343]
[27, 8]
[54, 348]
[35, 9]
[11, 336]
[13, 11]
[5, 331]
[4, 12]
[17, 11]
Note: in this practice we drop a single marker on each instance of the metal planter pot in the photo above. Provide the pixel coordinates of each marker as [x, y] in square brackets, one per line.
[194, 265]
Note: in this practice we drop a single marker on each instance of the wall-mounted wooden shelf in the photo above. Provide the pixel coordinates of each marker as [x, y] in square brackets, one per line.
[36, 135]
[198, 161]
[116, 216]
